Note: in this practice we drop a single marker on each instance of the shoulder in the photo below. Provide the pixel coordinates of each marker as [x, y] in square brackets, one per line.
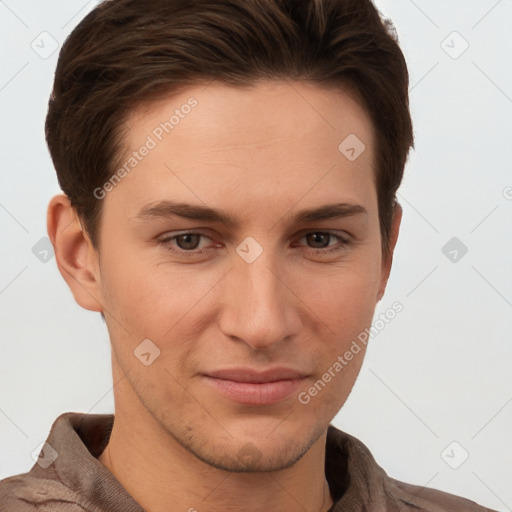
[352, 468]
[430, 500]
[28, 493]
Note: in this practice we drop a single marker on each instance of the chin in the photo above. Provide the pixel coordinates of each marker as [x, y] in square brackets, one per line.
[257, 451]
[249, 458]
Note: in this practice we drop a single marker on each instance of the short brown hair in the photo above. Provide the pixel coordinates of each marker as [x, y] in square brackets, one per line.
[127, 52]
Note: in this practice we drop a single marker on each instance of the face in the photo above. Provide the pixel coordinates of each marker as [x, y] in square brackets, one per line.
[244, 244]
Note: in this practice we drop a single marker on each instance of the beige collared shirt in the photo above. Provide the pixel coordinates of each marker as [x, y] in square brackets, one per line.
[68, 477]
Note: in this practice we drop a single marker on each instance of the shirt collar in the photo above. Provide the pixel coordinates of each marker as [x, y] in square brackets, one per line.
[355, 480]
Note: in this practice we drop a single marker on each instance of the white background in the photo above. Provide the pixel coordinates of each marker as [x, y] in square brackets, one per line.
[439, 372]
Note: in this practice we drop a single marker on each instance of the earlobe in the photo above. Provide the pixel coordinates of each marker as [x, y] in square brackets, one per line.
[387, 259]
[76, 257]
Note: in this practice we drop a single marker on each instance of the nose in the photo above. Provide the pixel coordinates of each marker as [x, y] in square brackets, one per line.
[259, 307]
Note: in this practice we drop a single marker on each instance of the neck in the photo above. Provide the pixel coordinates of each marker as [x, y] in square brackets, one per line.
[157, 471]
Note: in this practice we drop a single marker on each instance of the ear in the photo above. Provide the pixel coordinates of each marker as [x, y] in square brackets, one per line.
[387, 259]
[76, 257]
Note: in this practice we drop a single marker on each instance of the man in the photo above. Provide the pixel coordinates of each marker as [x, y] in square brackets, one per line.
[229, 171]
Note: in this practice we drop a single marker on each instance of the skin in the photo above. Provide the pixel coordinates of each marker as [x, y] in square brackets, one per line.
[261, 155]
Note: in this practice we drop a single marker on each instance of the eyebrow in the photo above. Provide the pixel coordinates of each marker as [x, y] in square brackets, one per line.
[167, 209]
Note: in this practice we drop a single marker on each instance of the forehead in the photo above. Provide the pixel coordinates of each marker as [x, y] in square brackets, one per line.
[275, 139]
[264, 109]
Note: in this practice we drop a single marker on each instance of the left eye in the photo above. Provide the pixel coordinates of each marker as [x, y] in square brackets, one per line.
[320, 243]
[188, 241]
[320, 238]
[185, 242]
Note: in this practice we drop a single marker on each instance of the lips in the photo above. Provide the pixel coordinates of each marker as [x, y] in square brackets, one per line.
[252, 387]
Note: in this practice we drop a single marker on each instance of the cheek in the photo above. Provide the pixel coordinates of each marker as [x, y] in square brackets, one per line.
[344, 305]
[344, 309]
[345, 298]
[151, 299]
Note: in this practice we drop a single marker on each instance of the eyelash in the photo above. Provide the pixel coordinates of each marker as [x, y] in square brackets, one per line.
[342, 243]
